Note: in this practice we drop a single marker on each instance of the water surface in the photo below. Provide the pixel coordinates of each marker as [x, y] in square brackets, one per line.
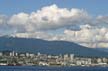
[37, 68]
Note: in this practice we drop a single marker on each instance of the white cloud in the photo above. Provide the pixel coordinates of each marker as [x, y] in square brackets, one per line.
[50, 17]
[2, 19]
[19, 22]
[89, 37]
[78, 25]
[86, 37]
[103, 19]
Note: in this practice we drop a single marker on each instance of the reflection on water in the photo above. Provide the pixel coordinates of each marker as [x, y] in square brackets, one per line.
[35, 68]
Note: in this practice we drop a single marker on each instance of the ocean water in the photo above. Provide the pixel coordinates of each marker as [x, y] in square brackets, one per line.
[36, 68]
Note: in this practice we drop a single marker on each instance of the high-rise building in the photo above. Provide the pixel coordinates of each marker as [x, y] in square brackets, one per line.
[27, 54]
[12, 53]
[38, 54]
[1, 53]
[66, 57]
[71, 57]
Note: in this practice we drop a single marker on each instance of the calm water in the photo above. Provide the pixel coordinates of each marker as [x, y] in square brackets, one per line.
[34, 68]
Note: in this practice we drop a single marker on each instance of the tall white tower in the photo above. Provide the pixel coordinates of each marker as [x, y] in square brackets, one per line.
[13, 53]
[71, 57]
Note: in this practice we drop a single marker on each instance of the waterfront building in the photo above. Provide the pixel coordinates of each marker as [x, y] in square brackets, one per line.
[1, 54]
[104, 60]
[27, 55]
[11, 57]
[99, 60]
[16, 54]
[78, 62]
[66, 57]
[89, 61]
[43, 63]
[71, 57]
[22, 54]
[32, 55]
[12, 53]
[7, 53]
[38, 54]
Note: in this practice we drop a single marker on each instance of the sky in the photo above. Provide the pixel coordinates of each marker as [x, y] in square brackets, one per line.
[82, 21]
[94, 7]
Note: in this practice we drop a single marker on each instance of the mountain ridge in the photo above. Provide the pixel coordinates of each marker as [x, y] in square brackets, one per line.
[48, 47]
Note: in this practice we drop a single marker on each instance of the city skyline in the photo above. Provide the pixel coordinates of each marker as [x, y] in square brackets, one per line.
[12, 58]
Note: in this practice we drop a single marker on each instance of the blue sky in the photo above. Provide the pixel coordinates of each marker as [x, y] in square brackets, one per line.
[94, 7]
[57, 20]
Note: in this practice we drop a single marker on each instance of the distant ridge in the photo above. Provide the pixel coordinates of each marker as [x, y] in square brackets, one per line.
[47, 47]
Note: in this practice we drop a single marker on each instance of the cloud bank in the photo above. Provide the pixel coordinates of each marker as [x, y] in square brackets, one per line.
[48, 18]
[77, 25]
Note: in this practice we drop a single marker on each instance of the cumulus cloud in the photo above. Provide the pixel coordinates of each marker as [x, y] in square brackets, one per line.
[103, 19]
[3, 21]
[50, 17]
[19, 22]
[87, 37]
[78, 25]
[47, 18]
[3, 25]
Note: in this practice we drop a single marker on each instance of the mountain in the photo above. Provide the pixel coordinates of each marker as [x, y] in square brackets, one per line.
[47, 47]
[102, 49]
